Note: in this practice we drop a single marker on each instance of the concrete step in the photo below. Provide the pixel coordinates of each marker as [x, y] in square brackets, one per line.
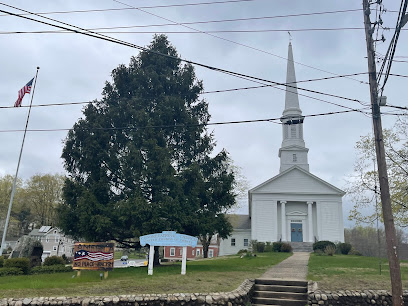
[281, 295]
[280, 282]
[280, 288]
[302, 246]
[281, 302]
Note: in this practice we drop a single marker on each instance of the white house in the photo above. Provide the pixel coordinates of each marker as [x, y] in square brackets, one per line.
[295, 205]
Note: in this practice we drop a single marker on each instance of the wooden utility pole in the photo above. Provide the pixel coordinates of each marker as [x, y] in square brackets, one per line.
[390, 235]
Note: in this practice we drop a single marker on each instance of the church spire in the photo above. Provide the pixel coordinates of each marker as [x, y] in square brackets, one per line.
[293, 151]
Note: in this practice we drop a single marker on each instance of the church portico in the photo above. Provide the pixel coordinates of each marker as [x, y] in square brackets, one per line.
[297, 221]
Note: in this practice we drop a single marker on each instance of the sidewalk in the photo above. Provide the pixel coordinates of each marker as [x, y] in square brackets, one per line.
[292, 268]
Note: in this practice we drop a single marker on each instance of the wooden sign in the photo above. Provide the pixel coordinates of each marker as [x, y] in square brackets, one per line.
[93, 256]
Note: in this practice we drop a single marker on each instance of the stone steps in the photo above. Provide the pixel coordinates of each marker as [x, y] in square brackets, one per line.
[302, 246]
[280, 292]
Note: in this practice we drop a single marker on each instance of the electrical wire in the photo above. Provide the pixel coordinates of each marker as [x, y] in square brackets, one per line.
[229, 40]
[110, 39]
[272, 120]
[143, 7]
[188, 32]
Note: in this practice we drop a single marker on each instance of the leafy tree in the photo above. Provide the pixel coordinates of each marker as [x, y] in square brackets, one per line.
[369, 241]
[43, 194]
[139, 161]
[362, 187]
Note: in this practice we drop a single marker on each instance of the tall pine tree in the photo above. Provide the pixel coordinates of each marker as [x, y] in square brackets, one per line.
[139, 162]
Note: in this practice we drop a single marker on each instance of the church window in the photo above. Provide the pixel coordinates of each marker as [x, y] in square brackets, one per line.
[245, 242]
[210, 253]
[232, 241]
[294, 158]
[172, 252]
[293, 131]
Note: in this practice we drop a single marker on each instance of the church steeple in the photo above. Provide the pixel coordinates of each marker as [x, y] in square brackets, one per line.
[293, 151]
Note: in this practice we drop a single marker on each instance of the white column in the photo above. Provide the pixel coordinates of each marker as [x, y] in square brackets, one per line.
[151, 257]
[310, 220]
[283, 217]
[183, 261]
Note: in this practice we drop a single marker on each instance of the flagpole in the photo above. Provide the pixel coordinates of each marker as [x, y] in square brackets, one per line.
[3, 240]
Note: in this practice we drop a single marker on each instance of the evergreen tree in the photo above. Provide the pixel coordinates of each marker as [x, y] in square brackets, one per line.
[139, 161]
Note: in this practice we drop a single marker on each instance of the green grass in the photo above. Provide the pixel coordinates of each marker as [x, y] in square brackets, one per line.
[208, 275]
[352, 272]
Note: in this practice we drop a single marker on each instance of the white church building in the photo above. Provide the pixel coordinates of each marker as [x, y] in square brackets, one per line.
[295, 205]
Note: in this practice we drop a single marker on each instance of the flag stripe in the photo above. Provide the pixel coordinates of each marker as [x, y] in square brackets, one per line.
[22, 92]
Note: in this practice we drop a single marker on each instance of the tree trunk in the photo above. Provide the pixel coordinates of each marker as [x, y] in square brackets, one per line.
[205, 241]
[156, 257]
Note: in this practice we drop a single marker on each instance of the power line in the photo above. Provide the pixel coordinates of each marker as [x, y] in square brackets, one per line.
[121, 42]
[143, 7]
[229, 40]
[272, 120]
[189, 32]
[219, 20]
[204, 92]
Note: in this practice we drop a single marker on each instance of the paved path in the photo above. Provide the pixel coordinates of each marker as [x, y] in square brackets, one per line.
[292, 268]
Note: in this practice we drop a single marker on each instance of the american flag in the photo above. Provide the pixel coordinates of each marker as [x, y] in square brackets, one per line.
[94, 256]
[22, 92]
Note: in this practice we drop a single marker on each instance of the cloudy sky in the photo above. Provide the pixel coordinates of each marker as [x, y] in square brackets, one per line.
[327, 36]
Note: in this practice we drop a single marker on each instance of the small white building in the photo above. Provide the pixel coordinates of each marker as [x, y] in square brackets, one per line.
[295, 205]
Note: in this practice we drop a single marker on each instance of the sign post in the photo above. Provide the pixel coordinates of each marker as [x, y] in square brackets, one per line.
[168, 238]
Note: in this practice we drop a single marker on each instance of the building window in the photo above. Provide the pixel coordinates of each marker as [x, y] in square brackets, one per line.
[192, 252]
[54, 248]
[245, 242]
[56, 239]
[232, 241]
[181, 252]
[210, 253]
[294, 158]
[198, 252]
[172, 251]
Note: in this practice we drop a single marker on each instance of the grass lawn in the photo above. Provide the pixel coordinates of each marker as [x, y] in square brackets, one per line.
[207, 275]
[352, 272]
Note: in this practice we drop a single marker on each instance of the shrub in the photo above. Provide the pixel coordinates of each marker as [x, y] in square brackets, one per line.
[344, 248]
[10, 271]
[54, 260]
[51, 269]
[260, 247]
[242, 251]
[353, 251]
[268, 247]
[276, 246]
[1, 261]
[22, 263]
[321, 245]
[286, 248]
[330, 250]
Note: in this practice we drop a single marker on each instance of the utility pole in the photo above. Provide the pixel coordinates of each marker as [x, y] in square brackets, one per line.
[390, 235]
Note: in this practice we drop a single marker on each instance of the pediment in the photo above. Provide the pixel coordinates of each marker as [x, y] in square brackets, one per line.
[296, 213]
[296, 180]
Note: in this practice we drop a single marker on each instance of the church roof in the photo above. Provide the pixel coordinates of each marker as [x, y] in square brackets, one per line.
[296, 180]
[239, 221]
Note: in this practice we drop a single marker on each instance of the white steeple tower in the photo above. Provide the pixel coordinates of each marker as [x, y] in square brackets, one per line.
[293, 151]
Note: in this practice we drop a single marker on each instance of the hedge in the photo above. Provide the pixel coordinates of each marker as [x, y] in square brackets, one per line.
[10, 271]
[51, 269]
[22, 263]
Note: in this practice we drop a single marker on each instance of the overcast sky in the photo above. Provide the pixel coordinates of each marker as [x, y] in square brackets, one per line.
[74, 68]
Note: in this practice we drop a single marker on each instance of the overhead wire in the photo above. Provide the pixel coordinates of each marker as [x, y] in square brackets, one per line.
[108, 38]
[229, 40]
[144, 7]
[272, 120]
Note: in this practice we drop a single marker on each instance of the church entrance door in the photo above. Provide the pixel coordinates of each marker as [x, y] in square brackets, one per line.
[296, 232]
